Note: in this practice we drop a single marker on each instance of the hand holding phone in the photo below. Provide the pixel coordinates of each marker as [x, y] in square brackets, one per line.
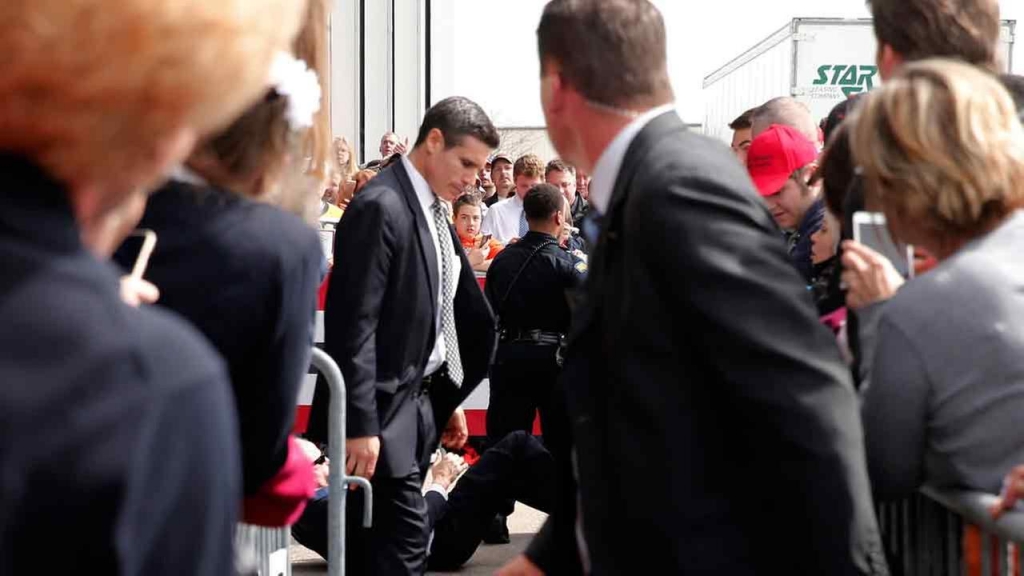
[870, 229]
[134, 290]
[868, 277]
[484, 240]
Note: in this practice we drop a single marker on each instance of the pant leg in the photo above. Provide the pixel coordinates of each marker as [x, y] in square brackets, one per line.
[545, 382]
[513, 402]
[517, 468]
[397, 542]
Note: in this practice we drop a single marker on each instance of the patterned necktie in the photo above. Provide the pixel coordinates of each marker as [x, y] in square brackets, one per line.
[524, 227]
[451, 338]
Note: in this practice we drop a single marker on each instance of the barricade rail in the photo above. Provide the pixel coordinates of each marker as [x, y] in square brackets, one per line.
[950, 532]
[264, 551]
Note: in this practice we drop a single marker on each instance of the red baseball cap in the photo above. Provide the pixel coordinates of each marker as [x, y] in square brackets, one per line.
[775, 155]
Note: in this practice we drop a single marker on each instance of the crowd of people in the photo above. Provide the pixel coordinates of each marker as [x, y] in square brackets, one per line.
[728, 375]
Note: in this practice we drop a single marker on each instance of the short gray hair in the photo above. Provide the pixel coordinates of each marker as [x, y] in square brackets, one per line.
[786, 111]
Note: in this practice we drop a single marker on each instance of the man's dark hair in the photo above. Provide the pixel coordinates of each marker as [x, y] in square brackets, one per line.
[838, 115]
[744, 121]
[613, 52]
[456, 118]
[836, 170]
[542, 201]
[1015, 86]
[966, 30]
[557, 165]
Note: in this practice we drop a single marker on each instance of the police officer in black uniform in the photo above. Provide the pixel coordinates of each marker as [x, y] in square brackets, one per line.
[529, 285]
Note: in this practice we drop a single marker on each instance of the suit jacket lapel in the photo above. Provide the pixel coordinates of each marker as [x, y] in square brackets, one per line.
[611, 222]
[427, 250]
[637, 152]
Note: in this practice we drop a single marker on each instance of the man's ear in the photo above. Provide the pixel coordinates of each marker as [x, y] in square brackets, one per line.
[554, 90]
[435, 141]
[811, 181]
[810, 171]
[888, 60]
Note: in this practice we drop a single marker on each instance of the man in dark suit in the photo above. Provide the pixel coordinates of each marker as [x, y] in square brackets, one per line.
[696, 362]
[410, 328]
[518, 468]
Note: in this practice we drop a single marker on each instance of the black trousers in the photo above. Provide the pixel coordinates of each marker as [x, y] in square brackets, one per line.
[397, 541]
[516, 468]
[522, 381]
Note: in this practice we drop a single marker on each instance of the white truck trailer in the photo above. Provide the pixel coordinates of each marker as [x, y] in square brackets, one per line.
[820, 61]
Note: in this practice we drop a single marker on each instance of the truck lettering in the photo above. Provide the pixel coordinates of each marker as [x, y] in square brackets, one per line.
[850, 78]
[837, 70]
[822, 75]
[867, 76]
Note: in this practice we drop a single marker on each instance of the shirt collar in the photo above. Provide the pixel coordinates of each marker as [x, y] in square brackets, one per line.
[419, 184]
[606, 171]
[538, 236]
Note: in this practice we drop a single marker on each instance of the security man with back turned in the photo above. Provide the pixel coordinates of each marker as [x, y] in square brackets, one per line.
[529, 286]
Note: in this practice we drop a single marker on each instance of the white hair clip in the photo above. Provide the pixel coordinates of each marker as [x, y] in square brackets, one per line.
[291, 79]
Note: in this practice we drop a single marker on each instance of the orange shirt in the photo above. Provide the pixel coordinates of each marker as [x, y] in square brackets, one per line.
[496, 246]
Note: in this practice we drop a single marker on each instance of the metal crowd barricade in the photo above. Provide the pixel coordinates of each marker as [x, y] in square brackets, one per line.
[944, 532]
[264, 551]
[338, 481]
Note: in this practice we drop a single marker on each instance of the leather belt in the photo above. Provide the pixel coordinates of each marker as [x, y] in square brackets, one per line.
[429, 382]
[532, 336]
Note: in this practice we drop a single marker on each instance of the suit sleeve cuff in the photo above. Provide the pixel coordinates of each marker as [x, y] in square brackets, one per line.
[437, 488]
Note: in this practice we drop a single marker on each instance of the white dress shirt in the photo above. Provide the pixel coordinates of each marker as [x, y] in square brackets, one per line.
[606, 171]
[502, 220]
[427, 199]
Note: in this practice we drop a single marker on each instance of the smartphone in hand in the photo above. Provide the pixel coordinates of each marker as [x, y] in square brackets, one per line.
[871, 230]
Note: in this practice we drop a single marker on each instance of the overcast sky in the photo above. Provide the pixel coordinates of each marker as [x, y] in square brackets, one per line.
[703, 35]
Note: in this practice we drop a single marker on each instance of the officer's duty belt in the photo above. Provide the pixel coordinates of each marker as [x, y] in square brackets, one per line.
[532, 336]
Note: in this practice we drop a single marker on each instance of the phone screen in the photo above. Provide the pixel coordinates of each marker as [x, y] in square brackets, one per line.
[870, 230]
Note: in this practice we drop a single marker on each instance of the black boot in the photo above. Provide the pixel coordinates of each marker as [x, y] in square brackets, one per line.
[497, 532]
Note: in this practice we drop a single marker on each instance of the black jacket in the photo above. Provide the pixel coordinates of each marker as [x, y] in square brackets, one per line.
[529, 282]
[118, 438]
[714, 424]
[246, 275]
[379, 323]
[579, 209]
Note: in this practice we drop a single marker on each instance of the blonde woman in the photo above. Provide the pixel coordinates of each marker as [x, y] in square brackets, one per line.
[118, 435]
[345, 160]
[942, 155]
